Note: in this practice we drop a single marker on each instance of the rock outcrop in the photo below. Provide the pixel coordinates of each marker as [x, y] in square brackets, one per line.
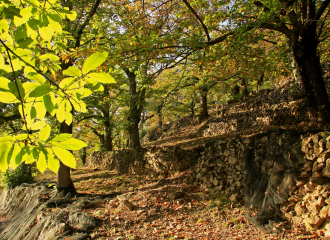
[38, 212]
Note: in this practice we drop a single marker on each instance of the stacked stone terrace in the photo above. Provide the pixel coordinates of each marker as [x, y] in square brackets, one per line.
[279, 173]
[279, 107]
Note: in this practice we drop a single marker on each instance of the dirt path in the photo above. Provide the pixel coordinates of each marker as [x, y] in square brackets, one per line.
[166, 209]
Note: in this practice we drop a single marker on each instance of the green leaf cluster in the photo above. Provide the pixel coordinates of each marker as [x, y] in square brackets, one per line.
[31, 43]
[45, 151]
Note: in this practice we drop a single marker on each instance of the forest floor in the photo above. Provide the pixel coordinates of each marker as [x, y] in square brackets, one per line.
[167, 209]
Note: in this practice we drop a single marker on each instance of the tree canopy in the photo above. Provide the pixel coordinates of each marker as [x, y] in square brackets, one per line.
[111, 66]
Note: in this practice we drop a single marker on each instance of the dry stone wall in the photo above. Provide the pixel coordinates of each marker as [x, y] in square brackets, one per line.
[260, 169]
[309, 200]
[279, 173]
[282, 106]
[153, 161]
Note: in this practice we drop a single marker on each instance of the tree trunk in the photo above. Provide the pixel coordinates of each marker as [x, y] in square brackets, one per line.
[305, 53]
[27, 170]
[100, 136]
[245, 92]
[84, 155]
[260, 81]
[64, 182]
[192, 108]
[108, 136]
[160, 115]
[134, 136]
[135, 110]
[204, 113]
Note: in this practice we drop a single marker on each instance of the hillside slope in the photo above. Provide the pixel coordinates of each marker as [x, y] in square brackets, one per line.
[283, 107]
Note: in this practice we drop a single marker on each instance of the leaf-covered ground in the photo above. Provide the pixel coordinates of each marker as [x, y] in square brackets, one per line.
[157, 215]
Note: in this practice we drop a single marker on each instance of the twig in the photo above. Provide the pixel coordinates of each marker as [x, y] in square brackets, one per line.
[19, 93]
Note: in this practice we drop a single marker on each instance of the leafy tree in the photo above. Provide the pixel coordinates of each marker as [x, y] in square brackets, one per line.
[32, 45]
[303, 23]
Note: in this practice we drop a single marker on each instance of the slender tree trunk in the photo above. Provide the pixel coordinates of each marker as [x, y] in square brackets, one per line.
[160, 115]
[84, 155]
[100, 136]
[127, 143]
[244, 90]
[108, 136]
[27, 169]
[295, 71]
[64, 182]
[260, 81]
[192, 108]
[305, 52]
[204, 113]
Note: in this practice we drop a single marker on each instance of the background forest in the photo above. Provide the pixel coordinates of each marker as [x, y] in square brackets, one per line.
[97, 75]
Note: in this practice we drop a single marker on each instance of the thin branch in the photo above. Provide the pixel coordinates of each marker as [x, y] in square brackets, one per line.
[96, 132]
[11, 117]
[269, 41]
[19, 93]
[35, 69]
[199, 19]
[219, 39]
[89, 17]
[85, 118]
[281, 28]
[288, 3]
[322, 24]
[323, 39]
[321, 10]
[293, 19]
[303, 9]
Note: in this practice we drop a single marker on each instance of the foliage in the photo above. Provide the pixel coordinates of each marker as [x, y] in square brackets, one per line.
[15, 177]
[32, 41]
[48, 70]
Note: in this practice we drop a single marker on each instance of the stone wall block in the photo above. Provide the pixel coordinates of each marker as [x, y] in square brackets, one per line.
[316, 138]
[295, 198]
[306, 174]
[324, 213]
[226, 153]
[317, 175]
[326, 170]
[306, 146]
[315, 222]
[323, 156]
[300, 209]
[310, 155]
[233, 160]
[308, 166]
